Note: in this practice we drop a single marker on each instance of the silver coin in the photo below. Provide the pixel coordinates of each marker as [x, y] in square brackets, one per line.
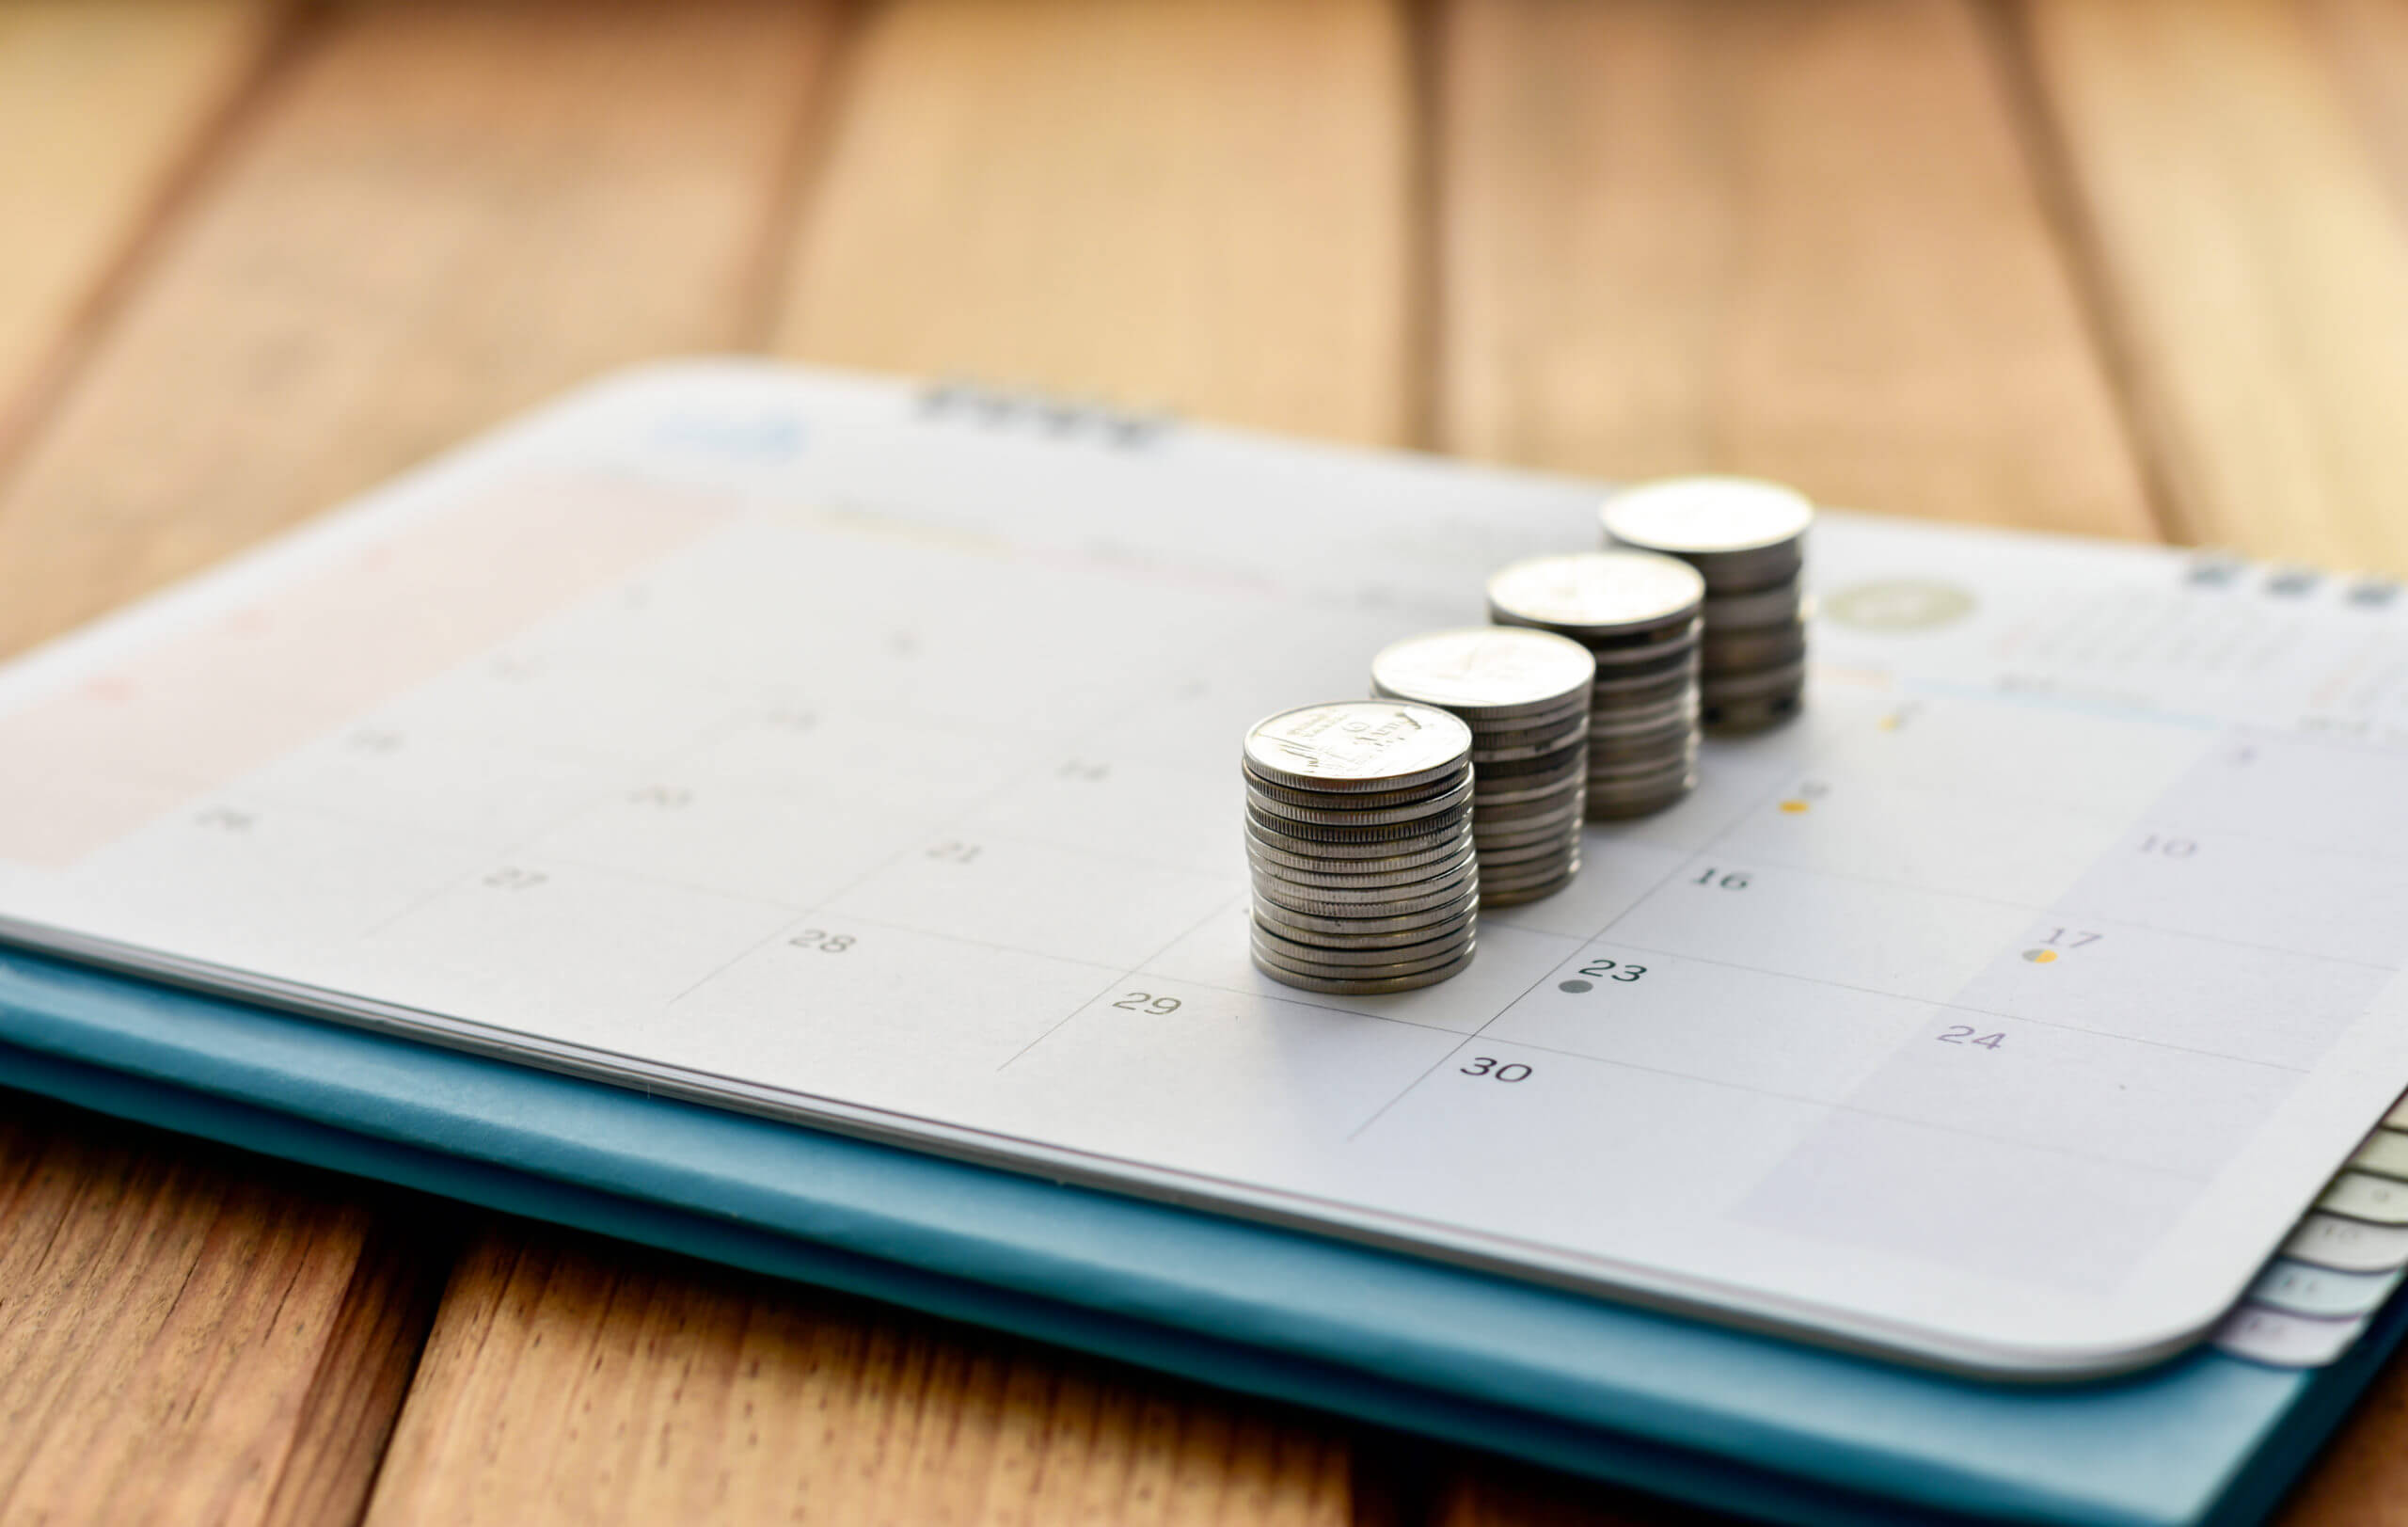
[1639, 773]
[1383, 901]
[1500, 830]
[1739, 717]
[1503, 900]
[1632, 786]
[1369, 941]
[1502, 863]
[1662, 648]
[1483, 672]
[1562, 754]
[1517, 791]
[1549, 804]
[1424, 863]
[1496, 831]
[1538, 872]
[1629, 755]
[1706, 516]
[1514, 896]
[1565, 727]
[1596, 592]
[1351, 800]
[1342, 970]
[1467, 923]
[1354, 857]
[1617, 727]
[1533, 859]
[1783, 604]
[1453, 799]
[1344, 880]
[1676, 748]
[1292, 953]
[1724, 688]
[1552, 716]
[1645, 690]
[1639, 805]
[1357, 745]
[1307, 924]
[1505, 846]
[1401, 883]
[1621, 754]
[1396, 837]
[1521, 773]
[1379, 988]
[1745, 652]
[1509, 837]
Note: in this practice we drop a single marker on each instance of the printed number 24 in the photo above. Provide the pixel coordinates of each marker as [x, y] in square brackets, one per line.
[1964, 1034]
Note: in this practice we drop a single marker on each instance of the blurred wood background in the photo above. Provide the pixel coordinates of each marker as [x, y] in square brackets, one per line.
[2127, 268]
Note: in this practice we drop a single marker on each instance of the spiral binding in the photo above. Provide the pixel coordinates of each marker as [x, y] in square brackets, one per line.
[2224, 570]
[978, 402]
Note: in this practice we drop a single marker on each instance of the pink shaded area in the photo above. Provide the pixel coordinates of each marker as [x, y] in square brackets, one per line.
[222, 697]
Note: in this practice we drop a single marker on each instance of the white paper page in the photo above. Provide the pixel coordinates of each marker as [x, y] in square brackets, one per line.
[772, 737]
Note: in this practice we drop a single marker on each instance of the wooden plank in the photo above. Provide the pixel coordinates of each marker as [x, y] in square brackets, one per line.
[2257, 262]
[435, 215]
[1197, 205]
[101, 101]
[1794, 238]
[441, 213]
[189, 1334]
[576, 1381]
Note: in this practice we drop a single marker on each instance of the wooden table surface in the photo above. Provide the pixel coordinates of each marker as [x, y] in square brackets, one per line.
[2130, 267]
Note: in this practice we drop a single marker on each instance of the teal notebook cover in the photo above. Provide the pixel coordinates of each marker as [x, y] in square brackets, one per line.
[1717, 1416]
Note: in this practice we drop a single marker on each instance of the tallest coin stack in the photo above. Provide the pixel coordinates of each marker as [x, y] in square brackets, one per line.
[1748, 540]
[1358, 832]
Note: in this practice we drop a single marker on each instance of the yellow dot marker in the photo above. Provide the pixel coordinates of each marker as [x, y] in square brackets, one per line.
[1793, 807]
[2041, 956]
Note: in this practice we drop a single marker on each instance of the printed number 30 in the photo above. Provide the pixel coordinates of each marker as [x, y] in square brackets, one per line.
[1486, 1065]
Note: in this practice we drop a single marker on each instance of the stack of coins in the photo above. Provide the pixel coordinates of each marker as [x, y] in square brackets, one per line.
[1638, 616]
[1358, 828]
[1525, 694]
[1748, 540]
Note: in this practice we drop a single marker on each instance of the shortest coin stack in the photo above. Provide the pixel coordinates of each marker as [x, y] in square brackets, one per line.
[1358, 830]
[1638, 614]
[1748, 540]
[1524, 696]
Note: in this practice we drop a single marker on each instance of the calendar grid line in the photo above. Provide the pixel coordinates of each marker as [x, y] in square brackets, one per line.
[1839, 1106]
[1665, 880]
[1960, 1007]
[1130, 973]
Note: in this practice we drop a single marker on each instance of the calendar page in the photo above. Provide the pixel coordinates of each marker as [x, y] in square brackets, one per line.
[867, 756]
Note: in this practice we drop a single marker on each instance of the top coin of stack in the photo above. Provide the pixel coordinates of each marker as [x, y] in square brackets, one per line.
[1358, 832]
[1525, 694]
[1638, 616]
[1748, 540]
